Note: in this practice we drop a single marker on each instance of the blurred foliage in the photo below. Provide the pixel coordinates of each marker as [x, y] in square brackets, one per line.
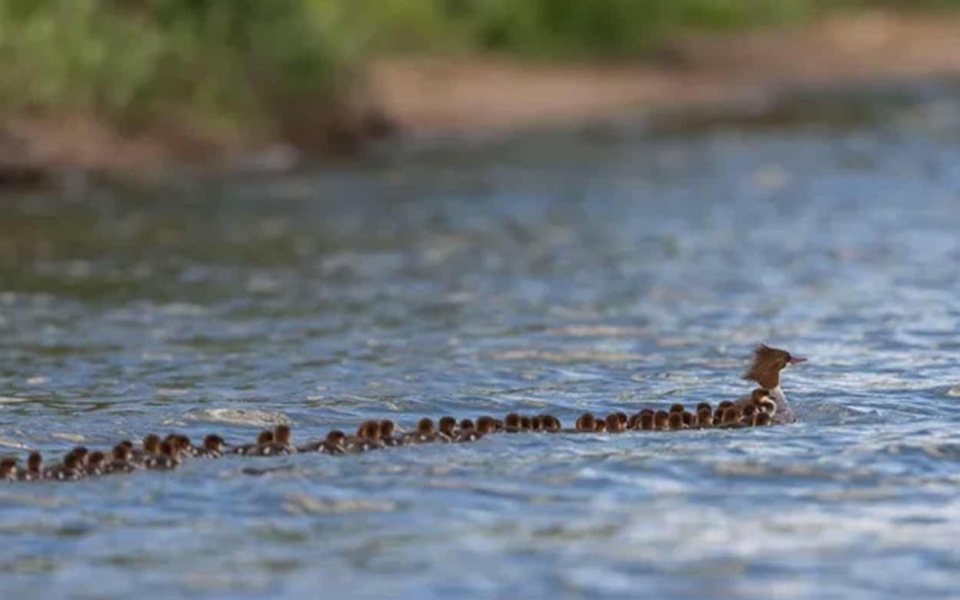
[130, 59]
[243, 60]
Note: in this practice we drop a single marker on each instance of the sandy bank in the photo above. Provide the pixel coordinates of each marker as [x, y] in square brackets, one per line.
[434, 96]
[438, 97]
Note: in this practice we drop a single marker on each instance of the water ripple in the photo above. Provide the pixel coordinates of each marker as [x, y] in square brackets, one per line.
[541, 277]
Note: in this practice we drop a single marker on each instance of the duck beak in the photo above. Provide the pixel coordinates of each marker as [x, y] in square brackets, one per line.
[795, 360]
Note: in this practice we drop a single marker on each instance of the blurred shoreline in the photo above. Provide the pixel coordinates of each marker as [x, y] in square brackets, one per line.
[465, 97]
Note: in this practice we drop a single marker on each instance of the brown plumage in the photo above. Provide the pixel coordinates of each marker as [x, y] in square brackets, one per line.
[512, 423]
[767, 364]
[731, 416]
[486, 424]
[660, 419]
[675, 420]
[387, 430]
[212, 447]
[762, 400]
[447, 426]
[704, 416]
[762, 419]
[8, 468]
[646, 422]
[586, 422]
[721, 408]
[614, 424]
[551, 424]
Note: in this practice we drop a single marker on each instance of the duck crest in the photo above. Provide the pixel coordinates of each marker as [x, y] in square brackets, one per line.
[767, 364]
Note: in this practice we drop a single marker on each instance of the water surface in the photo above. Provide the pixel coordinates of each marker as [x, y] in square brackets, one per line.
[597, 272]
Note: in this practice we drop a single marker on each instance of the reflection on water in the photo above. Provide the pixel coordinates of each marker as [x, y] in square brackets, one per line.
[596, 273]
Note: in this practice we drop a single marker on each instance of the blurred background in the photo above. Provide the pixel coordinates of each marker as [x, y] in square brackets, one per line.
[221, 215]
[124, 83]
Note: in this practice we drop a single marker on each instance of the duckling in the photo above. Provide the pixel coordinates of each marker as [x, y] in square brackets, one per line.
[762, 400]
[364, 425]
[81, 453]
[661, 420]
[731, 417]
[497, 425]
[746, 414]
[688, 419]
[264, 437]
[723, 406]
[34, 470]
[69, 469]
[213, 446]
[704, 416]
[466, 434]
[551, 424]
[8, 469]
[72, 467]
[636, 421]
[447, 427]
[281, 442]
[121, 460]
[333, 443]
[675, 421]
[368, 439]
[387, 430]
[96, 461]
[183, 443]
[512, 423]
[586, 423]
[525, 423]
[486, 425]
[536, 423]
[703, 409]
[624, 419]
[599, 425]
[150, 446]
[424, 433]
[646, 421]
[168, 459]
[762, 419]
[676, 408]
[614, 424]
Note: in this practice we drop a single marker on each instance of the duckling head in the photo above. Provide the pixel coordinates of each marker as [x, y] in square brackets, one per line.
[151, 443]
[425, 426]
[661, 419]
[35, 462]
[447, 425]
[213, 442]
[646, 422]
[282, 434]
[586, 422]
[387, 428]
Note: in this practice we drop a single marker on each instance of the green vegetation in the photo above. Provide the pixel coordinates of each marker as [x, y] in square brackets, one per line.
[225, 62]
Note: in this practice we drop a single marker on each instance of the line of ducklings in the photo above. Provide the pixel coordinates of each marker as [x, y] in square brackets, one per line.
[168, 453]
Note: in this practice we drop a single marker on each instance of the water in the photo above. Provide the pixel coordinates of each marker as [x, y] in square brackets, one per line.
[586, 273]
